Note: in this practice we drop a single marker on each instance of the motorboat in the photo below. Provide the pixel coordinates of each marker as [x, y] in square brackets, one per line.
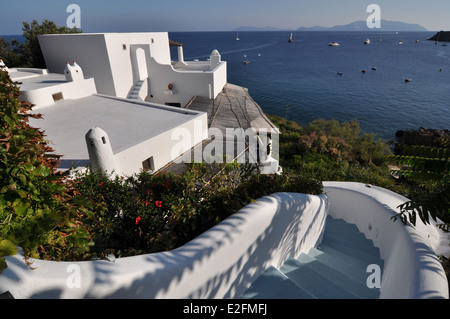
[334, 44]
[367, 41]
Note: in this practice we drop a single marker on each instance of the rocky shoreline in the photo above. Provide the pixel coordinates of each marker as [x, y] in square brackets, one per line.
[422, 136]
[441, 36]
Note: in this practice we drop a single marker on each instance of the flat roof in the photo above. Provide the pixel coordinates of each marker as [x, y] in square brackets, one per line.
[126, 122]
[32, 80]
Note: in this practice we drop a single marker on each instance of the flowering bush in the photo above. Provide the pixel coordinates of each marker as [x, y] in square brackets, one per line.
[150, 213]
[39, 209]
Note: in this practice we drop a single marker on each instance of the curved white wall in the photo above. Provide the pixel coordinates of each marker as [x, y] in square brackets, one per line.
[411, 267]
[220, 263]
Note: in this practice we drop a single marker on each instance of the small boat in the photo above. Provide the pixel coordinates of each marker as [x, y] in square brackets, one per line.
[334, 44]
[367, 41]
[290, 38]
[237, 37]
[444, 45]
[339, 73]
[246, 62]
[374, 68]
[408, 80]
[417, 41]
[363, 71]
[400, 42]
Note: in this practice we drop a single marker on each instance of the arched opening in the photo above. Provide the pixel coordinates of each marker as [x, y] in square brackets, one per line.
[141, 64]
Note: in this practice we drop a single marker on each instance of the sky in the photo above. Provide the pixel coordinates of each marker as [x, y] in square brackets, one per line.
[218, 15]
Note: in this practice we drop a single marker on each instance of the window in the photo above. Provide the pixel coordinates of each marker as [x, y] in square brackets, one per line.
[148, 164]
[57, 96]
[124, 47]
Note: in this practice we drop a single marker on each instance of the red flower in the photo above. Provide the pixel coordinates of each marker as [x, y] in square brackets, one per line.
[101, 184]
[138, 220]
[158, 203]
[148, 191]
[146, 202]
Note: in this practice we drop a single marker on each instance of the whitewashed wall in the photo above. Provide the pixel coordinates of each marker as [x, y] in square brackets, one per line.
[42, 97]
[411, 266]
[89, 51]
[220, 263]
[110, 59]
[163, 147]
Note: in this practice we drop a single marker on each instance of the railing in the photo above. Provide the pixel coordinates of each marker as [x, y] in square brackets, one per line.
[412, 269]
[220, 263]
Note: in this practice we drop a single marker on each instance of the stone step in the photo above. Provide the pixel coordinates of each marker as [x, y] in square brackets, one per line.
[336, 269]
[313, 281]
[272, 284]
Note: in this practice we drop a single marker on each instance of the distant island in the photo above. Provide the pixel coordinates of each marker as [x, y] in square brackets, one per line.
[386, 25]
[441, 36]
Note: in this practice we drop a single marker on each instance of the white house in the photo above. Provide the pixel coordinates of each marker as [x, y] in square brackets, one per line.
[117, 101]
[102, 131]
[136, 65]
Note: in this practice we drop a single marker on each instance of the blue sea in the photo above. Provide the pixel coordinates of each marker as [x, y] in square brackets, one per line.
[300, 81]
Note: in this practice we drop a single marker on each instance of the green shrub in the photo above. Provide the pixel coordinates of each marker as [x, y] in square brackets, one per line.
[427, 168]
[38, 207]
[150, 213]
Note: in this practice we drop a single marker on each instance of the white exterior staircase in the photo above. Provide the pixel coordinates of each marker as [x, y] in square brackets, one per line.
[336, 269]
[134, 93]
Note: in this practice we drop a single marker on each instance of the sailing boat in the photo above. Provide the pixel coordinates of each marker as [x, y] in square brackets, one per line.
[237, 37]
[290, 38]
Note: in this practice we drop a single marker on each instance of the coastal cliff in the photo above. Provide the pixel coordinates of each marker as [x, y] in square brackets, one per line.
[441, 36]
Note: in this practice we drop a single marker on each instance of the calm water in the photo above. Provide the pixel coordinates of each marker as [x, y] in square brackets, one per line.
[299, 80]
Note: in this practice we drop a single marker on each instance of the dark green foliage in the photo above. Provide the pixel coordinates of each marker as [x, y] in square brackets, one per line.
[150, 213]
[29, 54]
[31, 50]
[428, 169]
[10, 52]
[329, 150]
[38, 209]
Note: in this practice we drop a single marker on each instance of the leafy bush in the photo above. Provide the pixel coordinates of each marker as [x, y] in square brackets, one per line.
[150, 213]
[28, 53]
[428, 169]
[38, 207]
[329, 150]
